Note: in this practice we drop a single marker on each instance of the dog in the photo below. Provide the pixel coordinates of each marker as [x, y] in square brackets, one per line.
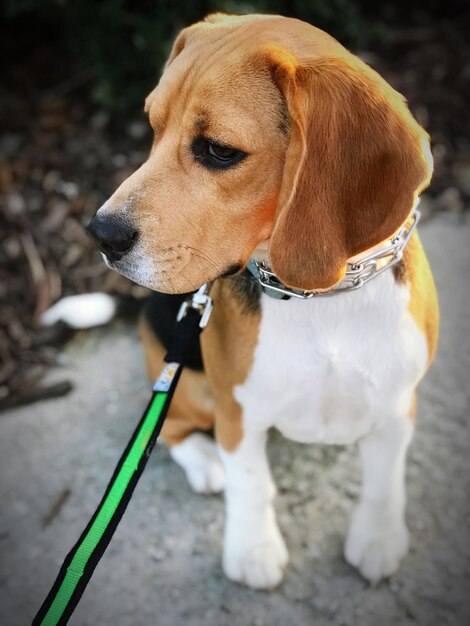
[274, 143]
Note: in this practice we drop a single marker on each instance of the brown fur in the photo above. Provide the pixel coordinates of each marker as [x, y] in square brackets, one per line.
[359, 161]
[228, 346]
[412, 410]
[341, 180]
[191, 406]
[335, 161]
[414, 271]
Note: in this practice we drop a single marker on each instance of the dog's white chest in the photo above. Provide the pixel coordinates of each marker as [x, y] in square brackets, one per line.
[327, 369]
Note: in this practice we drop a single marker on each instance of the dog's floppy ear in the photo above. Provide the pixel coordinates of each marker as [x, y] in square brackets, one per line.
[355, 163]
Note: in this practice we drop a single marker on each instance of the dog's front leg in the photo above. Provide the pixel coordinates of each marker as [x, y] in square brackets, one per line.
[254, 550]
[378, 537]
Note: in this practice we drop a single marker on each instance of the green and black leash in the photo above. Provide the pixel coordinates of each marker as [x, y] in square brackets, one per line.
[82, 560]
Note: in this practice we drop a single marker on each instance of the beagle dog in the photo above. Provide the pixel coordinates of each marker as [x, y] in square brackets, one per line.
[276, 146]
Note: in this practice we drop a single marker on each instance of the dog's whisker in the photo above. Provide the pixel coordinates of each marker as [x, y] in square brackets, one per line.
[198, 259]
[191, 223]
[171, 284]
[188, 281]
[204, 256]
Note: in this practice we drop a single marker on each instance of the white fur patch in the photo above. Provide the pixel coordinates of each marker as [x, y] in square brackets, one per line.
[254, 554]
[254, 550]
[136, 266]
[378, 538]
[199, 458]
[333, 370]
[330, 369]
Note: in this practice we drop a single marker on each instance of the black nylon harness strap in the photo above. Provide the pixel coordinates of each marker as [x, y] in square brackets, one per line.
[187, 330]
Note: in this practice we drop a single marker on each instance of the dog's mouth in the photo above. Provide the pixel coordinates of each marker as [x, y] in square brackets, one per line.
[108, 261]
[166, 272]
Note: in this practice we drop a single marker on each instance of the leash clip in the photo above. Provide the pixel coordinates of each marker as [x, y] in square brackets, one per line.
[200, 302]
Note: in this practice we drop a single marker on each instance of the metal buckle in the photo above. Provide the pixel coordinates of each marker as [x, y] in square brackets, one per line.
[200, 302]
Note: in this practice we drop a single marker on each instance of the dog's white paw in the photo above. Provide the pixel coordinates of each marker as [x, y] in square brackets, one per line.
[374, 545]
[256, 558]
[199, 458]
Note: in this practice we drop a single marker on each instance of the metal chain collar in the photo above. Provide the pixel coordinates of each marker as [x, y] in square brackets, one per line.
[357, 274]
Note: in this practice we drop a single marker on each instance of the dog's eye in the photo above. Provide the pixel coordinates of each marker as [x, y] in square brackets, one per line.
[215, 156]
[223, 153]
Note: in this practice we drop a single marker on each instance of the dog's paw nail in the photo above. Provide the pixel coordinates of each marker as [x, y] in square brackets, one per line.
[199, 458]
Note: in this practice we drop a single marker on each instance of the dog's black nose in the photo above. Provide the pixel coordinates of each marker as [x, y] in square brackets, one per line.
[115, 236]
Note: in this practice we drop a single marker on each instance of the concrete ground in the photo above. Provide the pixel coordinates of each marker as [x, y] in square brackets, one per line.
[163, 565]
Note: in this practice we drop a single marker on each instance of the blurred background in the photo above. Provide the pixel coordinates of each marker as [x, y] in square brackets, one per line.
[75, 75]
[74, 78]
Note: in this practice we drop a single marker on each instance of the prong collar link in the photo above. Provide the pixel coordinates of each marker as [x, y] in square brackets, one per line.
[357, 274]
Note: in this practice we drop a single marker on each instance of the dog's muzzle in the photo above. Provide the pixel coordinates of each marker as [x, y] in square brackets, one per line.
[114, 235]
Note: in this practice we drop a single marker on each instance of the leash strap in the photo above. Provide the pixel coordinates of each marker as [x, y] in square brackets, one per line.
[82, 560]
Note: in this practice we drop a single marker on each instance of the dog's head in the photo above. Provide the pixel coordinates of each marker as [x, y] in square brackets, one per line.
[265, 129]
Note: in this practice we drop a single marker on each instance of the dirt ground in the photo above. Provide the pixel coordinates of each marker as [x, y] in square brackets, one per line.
[163, 565]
